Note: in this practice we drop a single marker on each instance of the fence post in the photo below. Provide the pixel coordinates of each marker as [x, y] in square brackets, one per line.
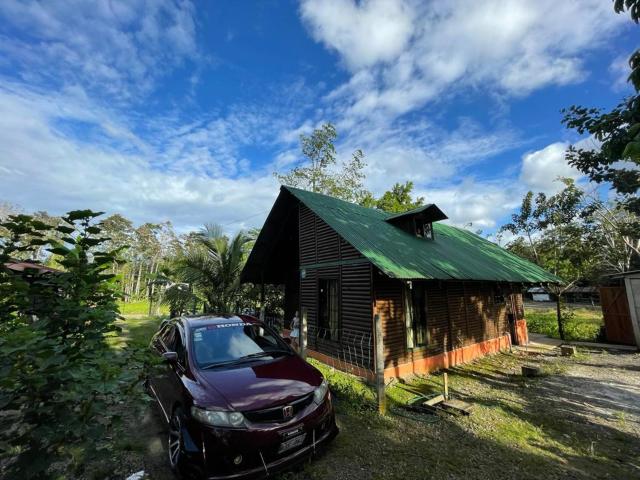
[380, 387]
[303, 333]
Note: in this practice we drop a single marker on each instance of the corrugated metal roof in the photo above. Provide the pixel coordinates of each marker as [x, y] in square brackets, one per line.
[454, 254]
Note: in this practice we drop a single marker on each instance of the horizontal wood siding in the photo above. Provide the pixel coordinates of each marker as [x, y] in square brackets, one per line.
[458, 314]
[307, 237]
[319, 243]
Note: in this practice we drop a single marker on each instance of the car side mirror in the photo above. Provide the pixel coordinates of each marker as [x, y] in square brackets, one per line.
[170, 357]
[287, 340]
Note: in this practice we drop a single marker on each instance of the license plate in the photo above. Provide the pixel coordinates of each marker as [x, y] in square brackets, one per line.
[292, 443]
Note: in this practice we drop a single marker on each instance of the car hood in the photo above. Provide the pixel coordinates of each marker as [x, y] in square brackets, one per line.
[261, 384]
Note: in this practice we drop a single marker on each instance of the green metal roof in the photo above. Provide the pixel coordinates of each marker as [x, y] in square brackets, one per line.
[454, 253]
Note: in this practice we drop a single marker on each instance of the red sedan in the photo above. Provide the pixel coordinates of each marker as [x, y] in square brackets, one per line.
[239, 402]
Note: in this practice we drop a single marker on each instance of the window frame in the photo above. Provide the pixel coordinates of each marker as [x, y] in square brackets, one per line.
[414, 324]
[421, 227]
[338, 327]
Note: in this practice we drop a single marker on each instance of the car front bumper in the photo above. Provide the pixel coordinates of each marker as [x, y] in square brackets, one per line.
[259, 444]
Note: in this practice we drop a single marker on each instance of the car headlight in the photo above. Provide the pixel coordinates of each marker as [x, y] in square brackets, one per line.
[320, 392]
[218, 418]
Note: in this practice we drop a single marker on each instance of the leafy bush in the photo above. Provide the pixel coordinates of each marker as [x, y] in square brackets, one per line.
[59, 377]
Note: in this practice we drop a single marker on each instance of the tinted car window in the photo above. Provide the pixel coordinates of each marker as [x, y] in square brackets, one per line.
[167, 336]
[228, 342]
[179, 347]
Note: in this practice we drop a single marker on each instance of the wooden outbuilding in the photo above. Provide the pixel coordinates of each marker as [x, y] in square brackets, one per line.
[442, 295]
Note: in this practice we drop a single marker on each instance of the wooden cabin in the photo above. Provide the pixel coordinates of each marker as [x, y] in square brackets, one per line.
[443, 294]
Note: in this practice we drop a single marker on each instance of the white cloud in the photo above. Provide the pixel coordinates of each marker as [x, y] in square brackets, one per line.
[541, 168]
[421, 151]
[46, 169]
[620, 71]
[364, 34]
[116, 48]
[402, 54]
[480, 204]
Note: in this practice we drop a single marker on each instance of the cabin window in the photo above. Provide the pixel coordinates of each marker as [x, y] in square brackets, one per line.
[416, 315]
[424, 230]
[328, 319]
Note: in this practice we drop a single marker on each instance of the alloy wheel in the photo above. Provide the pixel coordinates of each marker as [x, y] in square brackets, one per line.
[175, 441]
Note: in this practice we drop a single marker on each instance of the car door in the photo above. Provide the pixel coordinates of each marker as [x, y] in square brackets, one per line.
[162, 342]
[173, 381]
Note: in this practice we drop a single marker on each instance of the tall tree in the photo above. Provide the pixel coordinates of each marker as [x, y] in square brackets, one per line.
[320, 173]
[554, 233]
[526, 222]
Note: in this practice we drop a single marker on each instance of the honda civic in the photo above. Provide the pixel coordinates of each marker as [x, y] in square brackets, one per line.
[238, 400]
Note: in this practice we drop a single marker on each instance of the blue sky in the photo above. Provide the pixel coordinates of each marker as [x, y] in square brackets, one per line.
[172, 110]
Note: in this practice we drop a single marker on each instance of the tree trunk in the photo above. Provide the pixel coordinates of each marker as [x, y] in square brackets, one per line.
[559, 315]
[137, 292]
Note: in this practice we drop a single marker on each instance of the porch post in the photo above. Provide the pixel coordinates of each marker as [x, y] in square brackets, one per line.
[303, 333]
[262, 306]
[380, 387]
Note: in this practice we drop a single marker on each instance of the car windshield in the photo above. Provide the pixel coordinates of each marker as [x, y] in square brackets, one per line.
[234, 342]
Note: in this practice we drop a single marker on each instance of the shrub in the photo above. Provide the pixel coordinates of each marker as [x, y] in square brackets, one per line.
[59, 377]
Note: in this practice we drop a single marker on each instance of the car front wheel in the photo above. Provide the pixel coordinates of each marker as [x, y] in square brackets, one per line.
[176, 442]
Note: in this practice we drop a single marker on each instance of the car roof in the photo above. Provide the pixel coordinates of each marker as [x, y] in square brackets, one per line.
[203, 320]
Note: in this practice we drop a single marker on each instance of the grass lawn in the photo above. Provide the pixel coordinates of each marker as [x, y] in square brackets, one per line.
[556, 426]
[139, 307]
[583, 326]
[538, 428]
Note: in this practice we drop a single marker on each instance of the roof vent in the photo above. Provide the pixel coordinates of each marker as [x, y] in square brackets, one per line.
[418, 221]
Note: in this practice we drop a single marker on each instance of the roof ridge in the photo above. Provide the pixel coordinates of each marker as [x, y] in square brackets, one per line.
[335, 199]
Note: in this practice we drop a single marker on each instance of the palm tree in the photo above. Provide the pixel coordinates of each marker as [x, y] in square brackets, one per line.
[210, 270]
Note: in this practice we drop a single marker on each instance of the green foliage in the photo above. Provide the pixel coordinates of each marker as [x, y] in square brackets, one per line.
[553, 233]
[396, 200]
[208, 271]
[59, 375]
[579, 324]
[618, 132]
[320, 175]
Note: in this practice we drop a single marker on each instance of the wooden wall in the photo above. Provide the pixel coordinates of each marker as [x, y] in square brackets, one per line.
[319, 244]
[458, 314]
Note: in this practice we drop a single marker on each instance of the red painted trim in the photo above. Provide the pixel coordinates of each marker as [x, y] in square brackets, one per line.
[522, 332]
[449, 359]
[424, 365]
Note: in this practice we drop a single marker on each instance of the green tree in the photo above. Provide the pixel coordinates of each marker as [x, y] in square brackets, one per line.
[60, 378]
[552, 231]
[399, 199]
[617, 160]
[209, 271]
[526, 222]
[320, 174]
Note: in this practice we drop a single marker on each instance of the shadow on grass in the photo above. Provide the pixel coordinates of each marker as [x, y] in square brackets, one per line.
[556, 426]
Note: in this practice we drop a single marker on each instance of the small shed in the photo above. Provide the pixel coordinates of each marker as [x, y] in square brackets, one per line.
[620, 301]
[539, 294]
